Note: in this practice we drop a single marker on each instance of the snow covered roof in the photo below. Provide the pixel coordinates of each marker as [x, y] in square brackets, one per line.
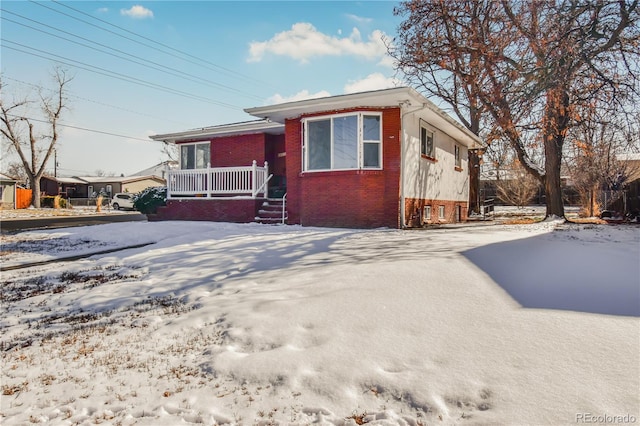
[7, 178]
[67, 180]
[158, 169]
[631, 156]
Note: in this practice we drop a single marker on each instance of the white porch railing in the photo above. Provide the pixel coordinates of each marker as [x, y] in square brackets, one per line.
[219, 181]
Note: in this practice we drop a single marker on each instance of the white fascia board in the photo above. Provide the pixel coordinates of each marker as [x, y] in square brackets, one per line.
[258, 126]
[376, 98]
[405, 97]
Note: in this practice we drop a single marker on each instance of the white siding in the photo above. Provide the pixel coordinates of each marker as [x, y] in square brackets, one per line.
[435, 180]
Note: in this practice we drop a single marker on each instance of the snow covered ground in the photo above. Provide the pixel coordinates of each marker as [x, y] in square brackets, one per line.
[253, 324]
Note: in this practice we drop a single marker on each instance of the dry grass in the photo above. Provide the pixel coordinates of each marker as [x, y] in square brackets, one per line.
[522, 221]
[588, 220]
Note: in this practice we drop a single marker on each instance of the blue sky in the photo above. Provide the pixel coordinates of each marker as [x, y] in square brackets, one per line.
[207, 61]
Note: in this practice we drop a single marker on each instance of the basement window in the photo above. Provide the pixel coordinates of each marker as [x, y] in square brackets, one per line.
[427, 213]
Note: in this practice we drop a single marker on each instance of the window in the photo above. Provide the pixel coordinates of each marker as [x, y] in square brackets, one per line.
[195, 156]
[426, 141]
[458, 213]
[457, 155]
[109, 190]
[441, 212]
[343, 142]
[372, 141]
[427, 213]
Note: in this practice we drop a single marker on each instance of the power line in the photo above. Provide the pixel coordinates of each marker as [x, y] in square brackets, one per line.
[147, 63]
[113, 74]
[200, 62]
[83, 128]
[70, 94]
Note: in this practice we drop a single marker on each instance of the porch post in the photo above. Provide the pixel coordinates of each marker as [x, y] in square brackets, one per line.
[266, 177]
[254, 171]
[167, 176]
[209, 180]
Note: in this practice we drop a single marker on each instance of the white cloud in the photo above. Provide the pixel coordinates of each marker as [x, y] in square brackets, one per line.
[304, 41]
[375, 81]
[301, 95]
[103, 10]
[137, 12]
[359, 19]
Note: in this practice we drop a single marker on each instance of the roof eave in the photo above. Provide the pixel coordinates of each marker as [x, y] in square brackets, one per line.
[406, 97]
[262, 126]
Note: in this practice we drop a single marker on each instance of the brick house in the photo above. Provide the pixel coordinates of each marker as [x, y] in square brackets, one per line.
[385, 158]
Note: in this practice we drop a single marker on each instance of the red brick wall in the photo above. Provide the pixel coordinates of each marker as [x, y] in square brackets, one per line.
[414, 209]
[354, 198]
[237, 210]
[229, 151]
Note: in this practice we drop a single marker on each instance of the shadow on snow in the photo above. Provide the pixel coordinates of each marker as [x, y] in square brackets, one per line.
[540, 273]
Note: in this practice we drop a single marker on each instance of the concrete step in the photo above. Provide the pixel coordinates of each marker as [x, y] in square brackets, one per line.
[270, 220]
[271, 213]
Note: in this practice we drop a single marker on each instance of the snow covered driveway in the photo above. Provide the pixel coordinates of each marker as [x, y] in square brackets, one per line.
[252, 324]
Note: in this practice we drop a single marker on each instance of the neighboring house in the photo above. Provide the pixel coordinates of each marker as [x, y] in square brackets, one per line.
[386, 158]
[86, 186]
[159, 170]
[629, 202]
[8, 187]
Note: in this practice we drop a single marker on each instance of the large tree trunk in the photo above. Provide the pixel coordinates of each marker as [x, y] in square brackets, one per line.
[552, 183]
[474, 181]
[35, 191]
[555, 130]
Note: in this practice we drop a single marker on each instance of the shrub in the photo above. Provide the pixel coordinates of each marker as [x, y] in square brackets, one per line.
[150, 199]
[50, 202]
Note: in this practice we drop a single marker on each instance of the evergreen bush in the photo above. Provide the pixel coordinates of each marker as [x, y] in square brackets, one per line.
[150, 199]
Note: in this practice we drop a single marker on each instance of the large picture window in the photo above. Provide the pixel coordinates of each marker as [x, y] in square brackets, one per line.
[195, 155]
[343, 142]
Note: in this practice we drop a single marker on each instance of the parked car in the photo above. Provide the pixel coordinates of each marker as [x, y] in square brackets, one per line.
[122, 200]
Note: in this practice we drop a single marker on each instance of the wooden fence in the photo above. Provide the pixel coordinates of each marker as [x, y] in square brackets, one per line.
[23, 198]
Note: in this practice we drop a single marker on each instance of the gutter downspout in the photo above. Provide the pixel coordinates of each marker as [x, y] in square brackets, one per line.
[402, 157]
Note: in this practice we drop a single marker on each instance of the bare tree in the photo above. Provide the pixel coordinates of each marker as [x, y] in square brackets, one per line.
[171, 151]
[16, 170]
[517, 187]
[592, 159]
[537, 62]
[34, 147]
[424, 59]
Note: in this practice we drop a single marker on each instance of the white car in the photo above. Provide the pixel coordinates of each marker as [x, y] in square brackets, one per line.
[122, 200]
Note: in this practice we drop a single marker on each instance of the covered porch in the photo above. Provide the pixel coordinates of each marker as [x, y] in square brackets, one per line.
[219, 182]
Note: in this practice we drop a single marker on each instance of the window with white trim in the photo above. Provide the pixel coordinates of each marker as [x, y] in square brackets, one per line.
[427, 213]
[457, 155]
[343, 142]
[426, 141]
[441, 212]
[195, 155]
